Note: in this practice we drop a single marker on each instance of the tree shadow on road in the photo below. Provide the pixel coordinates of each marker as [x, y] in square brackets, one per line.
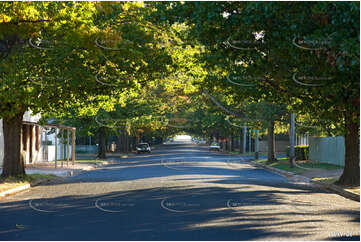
[162, 213]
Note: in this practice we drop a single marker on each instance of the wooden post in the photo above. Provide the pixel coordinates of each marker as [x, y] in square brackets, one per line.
[46, 145]
[56, 147]
[244, 138]
[250, 141]
[67, 147]
[73, 146]
[62, 148]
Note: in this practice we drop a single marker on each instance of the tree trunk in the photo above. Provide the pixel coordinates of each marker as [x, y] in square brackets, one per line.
[351, 172]
[126, 142]
[13, 157]
[134, 142]
[124, 147]
[102, 144]
[118, 148]
[271, 151]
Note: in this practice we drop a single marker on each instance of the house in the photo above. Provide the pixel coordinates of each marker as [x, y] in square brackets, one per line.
[40, 143]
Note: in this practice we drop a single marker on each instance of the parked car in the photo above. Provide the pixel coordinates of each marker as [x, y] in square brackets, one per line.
[215, 146]
[143, 147]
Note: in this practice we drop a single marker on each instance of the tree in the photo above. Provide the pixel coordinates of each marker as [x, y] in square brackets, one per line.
[277, 41]
[54, 58]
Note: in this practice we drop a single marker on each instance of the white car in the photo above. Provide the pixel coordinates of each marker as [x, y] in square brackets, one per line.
[214, 146]
[143, 147]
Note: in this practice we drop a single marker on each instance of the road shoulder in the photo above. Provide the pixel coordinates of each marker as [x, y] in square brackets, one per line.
[293, 177]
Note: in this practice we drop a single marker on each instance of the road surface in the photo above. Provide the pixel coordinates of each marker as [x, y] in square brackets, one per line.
[179, 192]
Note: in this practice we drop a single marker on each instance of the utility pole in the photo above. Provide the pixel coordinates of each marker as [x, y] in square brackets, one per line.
[292, 140]
[56, 147]
[256, 145]
[250, 141]
[67, 147]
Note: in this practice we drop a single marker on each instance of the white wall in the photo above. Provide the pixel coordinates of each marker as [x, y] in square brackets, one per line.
[27, 117]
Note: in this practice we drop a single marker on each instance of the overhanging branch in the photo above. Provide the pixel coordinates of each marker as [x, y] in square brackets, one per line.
[237, 114]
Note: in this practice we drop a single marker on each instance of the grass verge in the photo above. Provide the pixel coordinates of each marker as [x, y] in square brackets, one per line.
[13, 182]
[283, 164]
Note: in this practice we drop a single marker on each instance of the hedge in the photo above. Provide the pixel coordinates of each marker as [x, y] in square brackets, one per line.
[302, 152]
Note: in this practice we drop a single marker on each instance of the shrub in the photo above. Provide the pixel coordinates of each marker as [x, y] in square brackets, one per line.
[302, 152]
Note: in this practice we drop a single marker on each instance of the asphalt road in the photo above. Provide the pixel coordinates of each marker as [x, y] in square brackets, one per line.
[180, 192]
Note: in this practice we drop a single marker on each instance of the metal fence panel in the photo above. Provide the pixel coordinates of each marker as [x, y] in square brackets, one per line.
[328, 150]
